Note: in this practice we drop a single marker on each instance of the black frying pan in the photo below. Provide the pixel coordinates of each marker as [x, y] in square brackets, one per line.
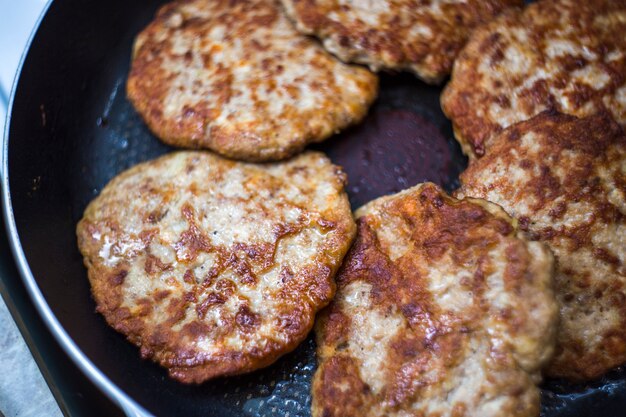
[71, 130]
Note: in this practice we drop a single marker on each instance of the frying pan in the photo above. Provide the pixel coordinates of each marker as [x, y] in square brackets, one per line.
[71, 130]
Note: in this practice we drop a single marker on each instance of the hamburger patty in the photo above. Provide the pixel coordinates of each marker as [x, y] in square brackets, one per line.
[564, 179]
[237, 78]
[422, 37]
[214, 267]
[566, 55]
[442, 309]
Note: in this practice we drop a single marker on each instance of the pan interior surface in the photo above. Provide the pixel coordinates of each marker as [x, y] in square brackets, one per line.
[72, 130]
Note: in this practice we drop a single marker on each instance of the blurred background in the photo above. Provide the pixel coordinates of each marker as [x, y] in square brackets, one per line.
[17, 19]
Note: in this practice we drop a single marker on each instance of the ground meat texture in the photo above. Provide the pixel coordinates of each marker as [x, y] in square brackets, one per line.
[215, 267]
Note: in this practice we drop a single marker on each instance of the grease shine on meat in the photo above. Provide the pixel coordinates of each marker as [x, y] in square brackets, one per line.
[442, 309]
[214, 267]
[565, 55]
[237, 78]
[564, 179]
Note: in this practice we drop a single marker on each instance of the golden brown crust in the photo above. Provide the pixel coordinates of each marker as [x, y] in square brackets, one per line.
[214, 267]
[441, 309]
[566, 55]
[564, 179]
[423, 37]
[237, 78]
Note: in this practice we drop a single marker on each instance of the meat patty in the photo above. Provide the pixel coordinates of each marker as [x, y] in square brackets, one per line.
[422, 37]
[442, 309]
[566, 55]
[564, 179]
[237, 78]
[214, 267]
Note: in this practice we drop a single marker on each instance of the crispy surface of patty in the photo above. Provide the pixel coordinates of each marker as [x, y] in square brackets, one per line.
[441, 310]
[565, 55]
[237, 78]
[215, 267]
[422, 37]
[564, 179]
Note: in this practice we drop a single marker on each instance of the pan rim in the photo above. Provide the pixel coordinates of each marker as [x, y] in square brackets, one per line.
[127, 404]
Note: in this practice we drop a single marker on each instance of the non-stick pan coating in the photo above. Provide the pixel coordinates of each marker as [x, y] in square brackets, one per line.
[72, 130]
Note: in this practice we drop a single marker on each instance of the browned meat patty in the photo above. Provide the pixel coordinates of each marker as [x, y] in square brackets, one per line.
[237, 78]
[422, 37]
[567, 55]
[564, 179]
[442, 309]
[214, 267]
